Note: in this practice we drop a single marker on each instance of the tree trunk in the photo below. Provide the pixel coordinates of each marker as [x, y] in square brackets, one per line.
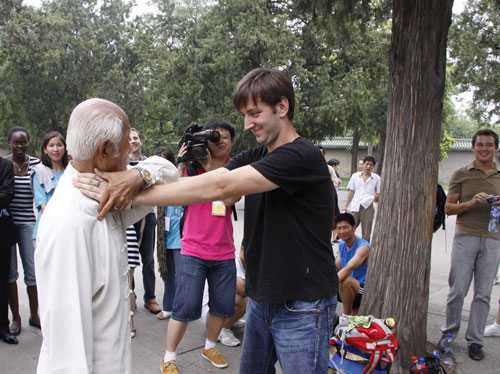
[379, 152]
[355, 150]
[398, 276]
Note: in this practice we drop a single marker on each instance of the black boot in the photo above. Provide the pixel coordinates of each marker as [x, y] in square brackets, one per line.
[33, 300]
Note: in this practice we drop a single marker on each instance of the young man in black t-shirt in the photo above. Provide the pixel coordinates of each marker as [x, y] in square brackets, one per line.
[291, 277]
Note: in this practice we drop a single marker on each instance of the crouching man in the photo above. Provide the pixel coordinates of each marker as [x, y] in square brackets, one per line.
[352, 263]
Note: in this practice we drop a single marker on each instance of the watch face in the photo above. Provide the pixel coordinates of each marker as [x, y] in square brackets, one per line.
[148, 180]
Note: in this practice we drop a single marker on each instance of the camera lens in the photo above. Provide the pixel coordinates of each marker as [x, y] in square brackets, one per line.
[213, 136]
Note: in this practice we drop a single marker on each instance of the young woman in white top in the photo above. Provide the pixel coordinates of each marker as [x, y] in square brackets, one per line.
[47, 173]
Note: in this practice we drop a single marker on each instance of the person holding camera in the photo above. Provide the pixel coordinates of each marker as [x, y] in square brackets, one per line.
[207, 248]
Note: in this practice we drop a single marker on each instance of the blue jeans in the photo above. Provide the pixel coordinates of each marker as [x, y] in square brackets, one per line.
[173, 265]
[190, 283]
[295, 333]
[27, 254]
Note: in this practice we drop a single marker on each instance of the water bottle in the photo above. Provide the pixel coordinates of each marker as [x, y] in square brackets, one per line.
[434, 362]
[447, 357]
[422, 366]
[413, 366]
[494, 218]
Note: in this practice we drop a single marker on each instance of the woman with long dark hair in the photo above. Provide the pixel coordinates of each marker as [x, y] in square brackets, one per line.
[54, 158]
[21, 209]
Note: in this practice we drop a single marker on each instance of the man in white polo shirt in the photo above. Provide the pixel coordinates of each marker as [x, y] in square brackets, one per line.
[362, 191]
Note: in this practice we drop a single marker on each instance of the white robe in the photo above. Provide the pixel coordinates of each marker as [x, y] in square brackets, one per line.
[81, 270]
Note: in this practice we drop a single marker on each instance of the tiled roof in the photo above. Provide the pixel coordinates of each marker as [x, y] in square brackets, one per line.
[460, 145]
[341, 143]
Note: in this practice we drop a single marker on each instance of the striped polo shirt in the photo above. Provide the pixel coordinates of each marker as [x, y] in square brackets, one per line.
[21, 206]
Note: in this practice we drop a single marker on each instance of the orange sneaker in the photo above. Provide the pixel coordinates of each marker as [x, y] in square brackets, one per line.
[169, 368]
[214, 357]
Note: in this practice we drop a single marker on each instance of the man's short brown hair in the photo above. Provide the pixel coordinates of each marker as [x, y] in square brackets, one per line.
[266, 85]
[485, 132]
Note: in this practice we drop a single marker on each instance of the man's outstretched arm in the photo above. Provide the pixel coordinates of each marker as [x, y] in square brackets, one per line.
[219, 184]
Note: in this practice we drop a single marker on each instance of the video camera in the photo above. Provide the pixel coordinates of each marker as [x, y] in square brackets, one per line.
[196, 139]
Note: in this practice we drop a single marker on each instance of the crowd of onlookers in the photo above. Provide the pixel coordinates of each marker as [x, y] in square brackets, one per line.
[34, 181]
[28, 183]
[204, 273]
[181, 233]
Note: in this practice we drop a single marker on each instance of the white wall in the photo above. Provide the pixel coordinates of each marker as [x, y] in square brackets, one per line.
[454, 161]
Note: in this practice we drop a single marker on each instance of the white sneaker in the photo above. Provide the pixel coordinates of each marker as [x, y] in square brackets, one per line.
[227, 338]
[492, 330]
[164, 315]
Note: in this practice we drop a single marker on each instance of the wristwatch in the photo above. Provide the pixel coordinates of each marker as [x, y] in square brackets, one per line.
[146, 176]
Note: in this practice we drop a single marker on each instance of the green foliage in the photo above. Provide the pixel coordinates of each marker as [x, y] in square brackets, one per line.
[474, 49]
[344, 85]
[180, 66]
[444, 147]
[62, 53]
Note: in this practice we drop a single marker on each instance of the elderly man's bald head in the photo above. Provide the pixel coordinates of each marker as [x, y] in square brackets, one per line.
[94, 122]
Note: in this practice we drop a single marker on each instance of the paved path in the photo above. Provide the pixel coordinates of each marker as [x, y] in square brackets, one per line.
[148, 346]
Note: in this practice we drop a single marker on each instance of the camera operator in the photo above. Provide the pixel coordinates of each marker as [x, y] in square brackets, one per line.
[207, 253]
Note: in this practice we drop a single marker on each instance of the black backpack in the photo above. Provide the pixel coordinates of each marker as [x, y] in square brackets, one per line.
[439, 212]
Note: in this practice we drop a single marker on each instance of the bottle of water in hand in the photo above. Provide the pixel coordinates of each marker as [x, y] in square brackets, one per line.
[494, 218]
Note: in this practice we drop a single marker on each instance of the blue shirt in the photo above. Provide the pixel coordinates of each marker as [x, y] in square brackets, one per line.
[41, 197]
[173, 215]
[346, 254]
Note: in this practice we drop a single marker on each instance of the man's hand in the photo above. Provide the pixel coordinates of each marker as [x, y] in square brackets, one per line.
[342, 274]
[181, 165]
[111, 190]
[91, 185]
[479, 199]
[231, 201]
[123, 187]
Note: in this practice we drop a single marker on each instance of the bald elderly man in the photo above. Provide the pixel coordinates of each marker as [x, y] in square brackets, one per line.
[80, 262]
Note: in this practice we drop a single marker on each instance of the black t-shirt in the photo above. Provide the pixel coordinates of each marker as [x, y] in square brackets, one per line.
[287, 230]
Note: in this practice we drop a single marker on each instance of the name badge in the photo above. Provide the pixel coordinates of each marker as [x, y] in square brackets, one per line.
[167, 223]
[218, 209]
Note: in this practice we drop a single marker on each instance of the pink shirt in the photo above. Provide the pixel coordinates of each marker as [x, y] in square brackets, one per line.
[207, 236]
